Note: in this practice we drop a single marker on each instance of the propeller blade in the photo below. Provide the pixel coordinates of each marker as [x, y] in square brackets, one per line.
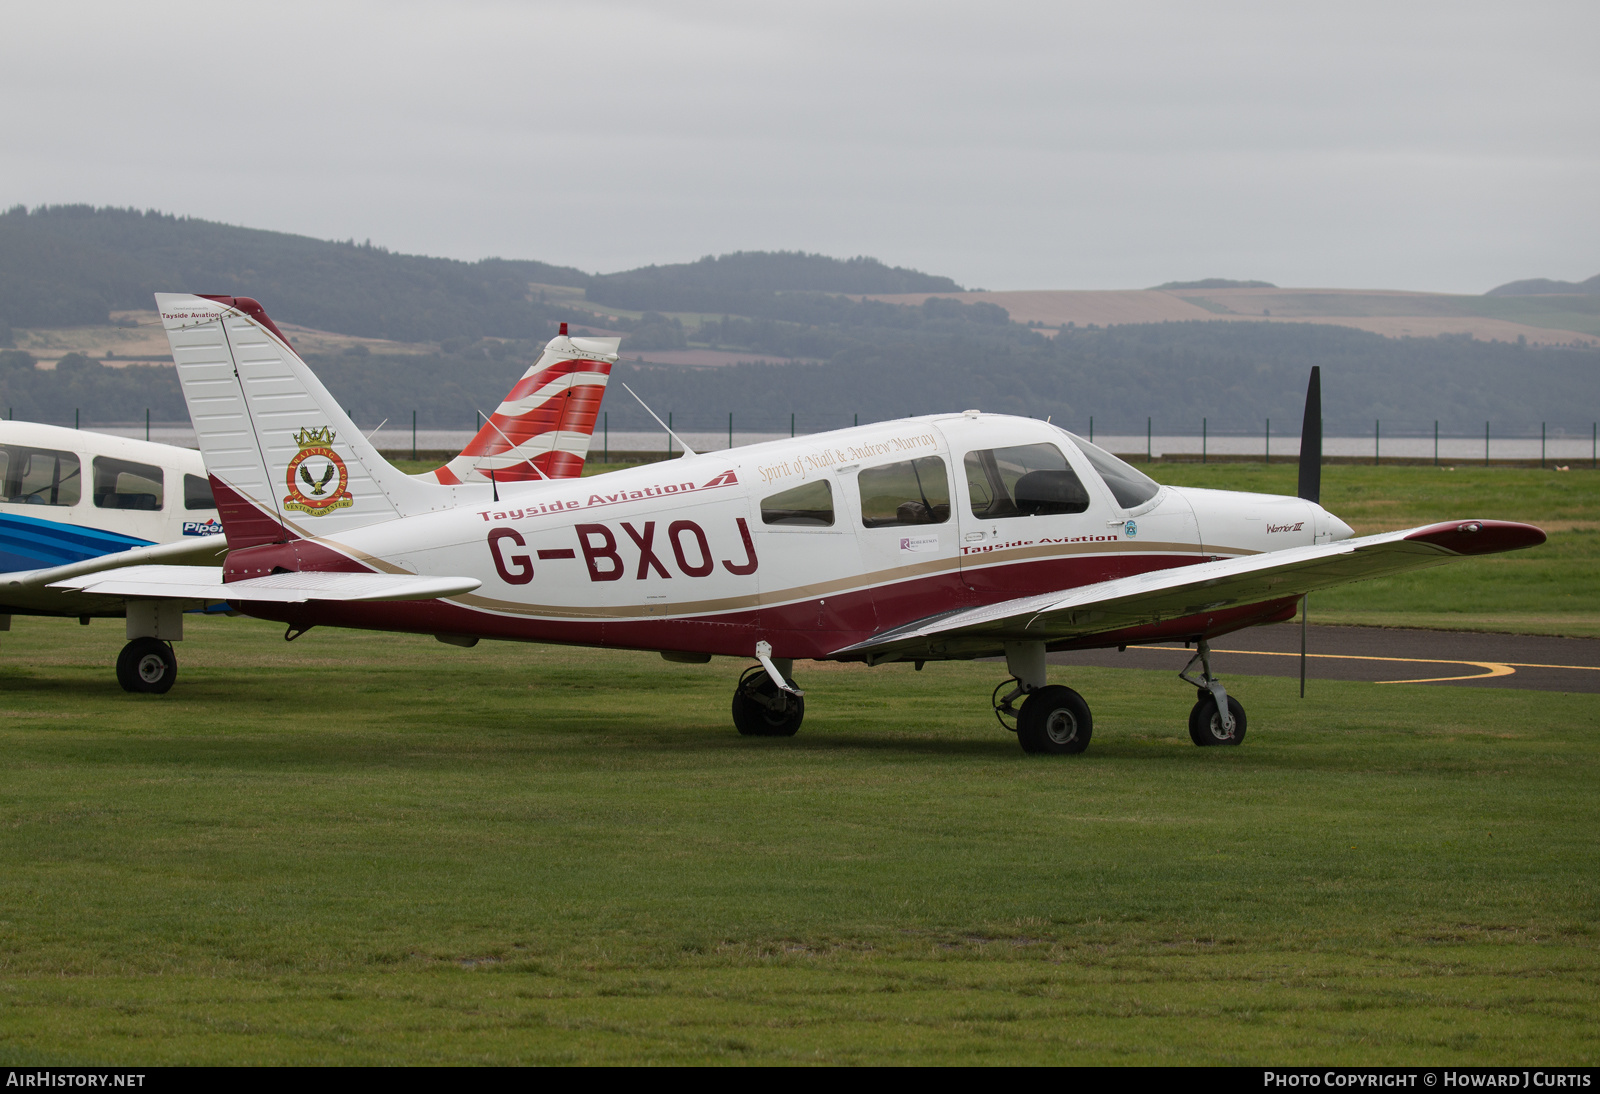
[1311, 439]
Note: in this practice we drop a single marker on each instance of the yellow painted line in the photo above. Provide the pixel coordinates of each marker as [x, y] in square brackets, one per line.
[1491, 668]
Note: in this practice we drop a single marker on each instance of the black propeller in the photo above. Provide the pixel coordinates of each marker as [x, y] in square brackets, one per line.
[1310, 481]
[1311, 439]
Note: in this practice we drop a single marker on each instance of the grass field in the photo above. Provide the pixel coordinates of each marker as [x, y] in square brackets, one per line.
[374, 848]
[380, 849]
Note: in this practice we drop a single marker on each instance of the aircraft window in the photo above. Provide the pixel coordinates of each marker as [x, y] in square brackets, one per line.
[122, 484]
[41, 476]
[197, 493]
[1130, 487]
[1025, 481]
[809, 504]
[913, 492]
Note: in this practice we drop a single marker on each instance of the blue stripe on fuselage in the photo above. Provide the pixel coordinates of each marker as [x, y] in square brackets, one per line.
[30, 544]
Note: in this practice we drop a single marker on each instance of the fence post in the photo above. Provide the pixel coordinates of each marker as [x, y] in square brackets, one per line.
[74, 417]
[730, 429]
[791, 425]
[1269, 442]
[1147, 447]
[1436, 442]
[1202, 441]
[147, 423]
[858, 419]
[1091, 429]
[413, 434]
[669, 434]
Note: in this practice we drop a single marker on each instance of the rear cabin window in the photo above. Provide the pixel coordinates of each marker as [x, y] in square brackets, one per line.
[197, 493]
[123, 484]
[913, 492]
[1131, 488]
[40, 476]
[808, 505]
[1029, 480]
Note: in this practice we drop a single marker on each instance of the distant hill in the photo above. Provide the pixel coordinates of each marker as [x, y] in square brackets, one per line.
[71, 265]
[1217, 283]
[1543, 286]
[742, 283]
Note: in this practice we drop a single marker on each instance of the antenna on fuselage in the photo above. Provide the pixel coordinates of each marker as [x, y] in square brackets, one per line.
[687, 451]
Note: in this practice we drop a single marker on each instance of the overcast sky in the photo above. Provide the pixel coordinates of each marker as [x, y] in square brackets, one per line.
[1440, 146]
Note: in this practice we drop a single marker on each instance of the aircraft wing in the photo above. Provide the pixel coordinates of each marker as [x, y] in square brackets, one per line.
[1192, 591]
[193, 583]
[38, 590]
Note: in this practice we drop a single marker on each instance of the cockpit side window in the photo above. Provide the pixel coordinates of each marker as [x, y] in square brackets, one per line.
[808, 505]
[41, 476]
[911, 492]
[123, 484]
[1131, 488]
[1023, 481]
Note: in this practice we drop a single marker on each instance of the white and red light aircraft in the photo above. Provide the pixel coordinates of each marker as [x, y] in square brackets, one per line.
[941, 537]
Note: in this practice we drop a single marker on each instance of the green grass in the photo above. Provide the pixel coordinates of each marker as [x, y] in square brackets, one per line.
[376, 848]
[1553, 589]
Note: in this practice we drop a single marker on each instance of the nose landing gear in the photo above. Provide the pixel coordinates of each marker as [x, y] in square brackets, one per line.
[766, 703]
[1217, 719]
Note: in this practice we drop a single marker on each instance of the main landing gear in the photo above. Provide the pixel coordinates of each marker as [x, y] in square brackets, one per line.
[147, 663]
[766, 702]
[1055, 720]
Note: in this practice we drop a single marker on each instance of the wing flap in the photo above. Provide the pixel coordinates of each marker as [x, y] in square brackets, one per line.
[194, 583]
[1192, 591]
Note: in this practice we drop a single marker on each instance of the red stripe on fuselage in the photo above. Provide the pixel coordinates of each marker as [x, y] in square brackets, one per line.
[805, 629]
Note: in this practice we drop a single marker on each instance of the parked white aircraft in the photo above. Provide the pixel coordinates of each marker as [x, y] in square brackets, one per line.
[942, 537]
[76, 502]
[152, 503]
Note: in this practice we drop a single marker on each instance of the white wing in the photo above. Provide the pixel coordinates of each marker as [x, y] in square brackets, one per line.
[1189, 592]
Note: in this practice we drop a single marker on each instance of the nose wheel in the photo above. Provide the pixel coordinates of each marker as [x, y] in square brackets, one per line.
[762, 709]
[1218, 718]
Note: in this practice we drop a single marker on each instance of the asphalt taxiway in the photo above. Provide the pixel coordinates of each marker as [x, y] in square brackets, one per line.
[1461, 658]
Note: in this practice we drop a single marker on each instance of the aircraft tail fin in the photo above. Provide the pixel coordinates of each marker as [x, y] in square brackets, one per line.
[285, 460]
[543, 428]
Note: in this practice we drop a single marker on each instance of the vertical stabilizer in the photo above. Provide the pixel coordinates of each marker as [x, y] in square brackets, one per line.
[285, 460]
[545, 425]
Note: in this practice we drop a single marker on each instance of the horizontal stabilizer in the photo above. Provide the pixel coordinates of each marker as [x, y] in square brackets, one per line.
[193, 583]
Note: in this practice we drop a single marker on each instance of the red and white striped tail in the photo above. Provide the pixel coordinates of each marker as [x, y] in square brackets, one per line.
[543, 428]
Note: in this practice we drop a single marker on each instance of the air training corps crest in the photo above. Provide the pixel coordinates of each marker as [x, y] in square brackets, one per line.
[315, 467]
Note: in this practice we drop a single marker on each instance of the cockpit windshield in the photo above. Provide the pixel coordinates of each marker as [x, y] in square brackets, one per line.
[1131, 488]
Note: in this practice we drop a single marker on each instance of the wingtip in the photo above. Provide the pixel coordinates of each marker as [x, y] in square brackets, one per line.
[1480, 537]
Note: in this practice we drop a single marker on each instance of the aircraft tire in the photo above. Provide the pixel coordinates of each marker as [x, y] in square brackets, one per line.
[1205, 726]
[752, 717]
[1054, 721]
[147, 665]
